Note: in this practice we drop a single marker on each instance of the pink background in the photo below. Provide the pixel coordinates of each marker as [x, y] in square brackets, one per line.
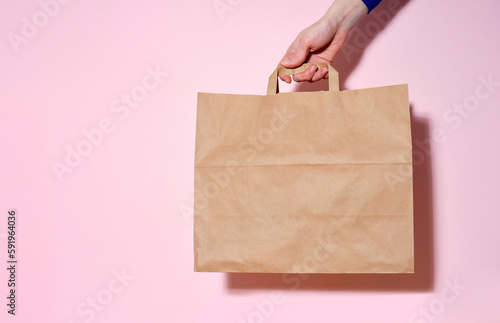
[128, 204]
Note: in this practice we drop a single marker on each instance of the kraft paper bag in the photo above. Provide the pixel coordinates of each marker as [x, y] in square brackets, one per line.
[312, 182]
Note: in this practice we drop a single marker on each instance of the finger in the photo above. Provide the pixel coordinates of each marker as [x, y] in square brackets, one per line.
[321, 74]
[296, 54]
[307, 75]
[286, 78]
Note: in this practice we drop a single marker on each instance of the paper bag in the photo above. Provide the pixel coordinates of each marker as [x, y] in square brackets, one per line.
[312, 182]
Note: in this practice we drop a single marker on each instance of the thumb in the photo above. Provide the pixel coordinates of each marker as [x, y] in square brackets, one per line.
[296, 54]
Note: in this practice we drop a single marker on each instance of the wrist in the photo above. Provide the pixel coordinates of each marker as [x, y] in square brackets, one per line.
[345, 14]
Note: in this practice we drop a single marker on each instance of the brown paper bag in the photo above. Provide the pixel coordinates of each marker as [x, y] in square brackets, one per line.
[313, 182]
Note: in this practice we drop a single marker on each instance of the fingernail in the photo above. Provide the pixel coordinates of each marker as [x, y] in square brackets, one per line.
[314, 68]
[285, 62]
[323, 72]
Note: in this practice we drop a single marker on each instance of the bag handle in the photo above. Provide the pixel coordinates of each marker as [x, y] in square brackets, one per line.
[333, 76]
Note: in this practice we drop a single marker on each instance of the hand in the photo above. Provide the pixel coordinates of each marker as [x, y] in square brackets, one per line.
[320, 42]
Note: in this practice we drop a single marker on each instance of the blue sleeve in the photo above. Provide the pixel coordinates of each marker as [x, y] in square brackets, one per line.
[371, 4]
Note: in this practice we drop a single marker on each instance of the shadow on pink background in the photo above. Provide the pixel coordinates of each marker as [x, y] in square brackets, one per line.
[423, 279]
